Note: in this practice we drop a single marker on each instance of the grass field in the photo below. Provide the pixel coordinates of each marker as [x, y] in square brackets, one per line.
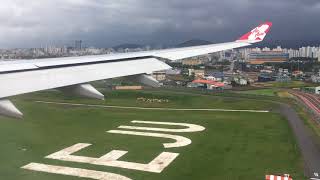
[291, 84]
[264, 92]
[235, 145]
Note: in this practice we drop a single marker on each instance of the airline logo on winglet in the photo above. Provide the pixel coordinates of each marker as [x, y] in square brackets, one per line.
[257, 34]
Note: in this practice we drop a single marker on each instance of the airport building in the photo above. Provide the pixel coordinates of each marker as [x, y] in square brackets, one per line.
[159, 75]
[192, 62]
[268, 57]
[195, 61]
[198, 73]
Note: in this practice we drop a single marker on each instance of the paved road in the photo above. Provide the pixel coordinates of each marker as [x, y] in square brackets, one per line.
[310, 151]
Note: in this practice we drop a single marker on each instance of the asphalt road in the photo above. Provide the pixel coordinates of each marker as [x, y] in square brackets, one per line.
[309, 149]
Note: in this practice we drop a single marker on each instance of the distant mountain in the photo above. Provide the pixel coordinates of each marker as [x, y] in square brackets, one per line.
[129, 46]
[295, 44]
[194, 42]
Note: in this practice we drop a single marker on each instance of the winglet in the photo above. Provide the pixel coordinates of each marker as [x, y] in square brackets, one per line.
[257, 34]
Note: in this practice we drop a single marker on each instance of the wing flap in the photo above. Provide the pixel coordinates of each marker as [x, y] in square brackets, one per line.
[9, 66]
[89, 59]
[31, 81]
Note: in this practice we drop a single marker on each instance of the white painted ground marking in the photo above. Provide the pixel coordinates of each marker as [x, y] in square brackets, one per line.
[314, 179]
[83, 173]
[111, 159]
[142, 108]
[273, 177]
[191, 127]
[180, 141]
[157, 165]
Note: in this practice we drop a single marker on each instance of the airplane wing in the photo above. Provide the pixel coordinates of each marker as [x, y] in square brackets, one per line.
[72, 74]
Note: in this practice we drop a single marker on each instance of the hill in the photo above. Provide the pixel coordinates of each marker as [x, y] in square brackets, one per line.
[193, 42]
[129, 46]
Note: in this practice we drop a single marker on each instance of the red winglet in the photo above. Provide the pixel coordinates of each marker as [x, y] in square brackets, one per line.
[257, 34]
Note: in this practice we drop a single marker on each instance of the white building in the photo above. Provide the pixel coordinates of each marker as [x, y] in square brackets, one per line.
[159, 75]
[243, 82]
[278, 48]
[318, 90]
[315, 79]
[266, 49]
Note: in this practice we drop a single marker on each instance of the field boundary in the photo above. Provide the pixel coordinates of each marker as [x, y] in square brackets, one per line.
[145, 108]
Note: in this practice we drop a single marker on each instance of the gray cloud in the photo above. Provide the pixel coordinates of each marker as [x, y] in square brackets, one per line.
[106, 23]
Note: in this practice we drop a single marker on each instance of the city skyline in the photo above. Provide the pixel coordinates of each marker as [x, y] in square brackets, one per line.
[78, 50]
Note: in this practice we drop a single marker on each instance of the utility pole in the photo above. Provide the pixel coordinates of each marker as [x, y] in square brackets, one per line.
[78, 44]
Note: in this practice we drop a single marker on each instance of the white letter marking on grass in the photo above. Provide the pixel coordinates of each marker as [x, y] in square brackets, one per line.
[83, 173]
[157, 165]
[180, 141]
[111, 159]
[190, 127]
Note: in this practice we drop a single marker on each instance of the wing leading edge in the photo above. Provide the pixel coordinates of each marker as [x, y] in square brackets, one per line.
[25, 76]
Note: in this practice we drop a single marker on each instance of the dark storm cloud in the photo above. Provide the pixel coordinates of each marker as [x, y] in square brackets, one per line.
[108, 22]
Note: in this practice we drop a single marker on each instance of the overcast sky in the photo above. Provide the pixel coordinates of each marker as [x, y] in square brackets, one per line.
[105, 23]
